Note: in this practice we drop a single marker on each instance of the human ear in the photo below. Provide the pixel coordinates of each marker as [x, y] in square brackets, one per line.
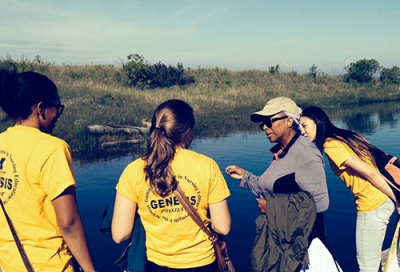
[290, 122]
[187, 139]
[41, 108]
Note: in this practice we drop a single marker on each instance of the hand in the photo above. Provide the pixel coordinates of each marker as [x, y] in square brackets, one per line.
[262, 205]
[234, 171]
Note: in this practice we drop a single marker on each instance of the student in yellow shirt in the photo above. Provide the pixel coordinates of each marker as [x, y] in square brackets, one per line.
[173, 240]
[37, 185]
[352, 159]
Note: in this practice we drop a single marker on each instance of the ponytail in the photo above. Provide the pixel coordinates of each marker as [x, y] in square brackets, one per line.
[171, 123]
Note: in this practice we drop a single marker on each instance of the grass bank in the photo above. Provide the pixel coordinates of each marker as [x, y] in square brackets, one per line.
[222, 99]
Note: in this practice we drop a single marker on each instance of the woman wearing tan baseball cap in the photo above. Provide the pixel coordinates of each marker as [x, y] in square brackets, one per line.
[297, 166]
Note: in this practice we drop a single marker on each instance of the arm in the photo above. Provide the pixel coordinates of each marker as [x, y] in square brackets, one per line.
[370, 174]
[220, 217]
[123, 218]
[248, 180]
[71, 227]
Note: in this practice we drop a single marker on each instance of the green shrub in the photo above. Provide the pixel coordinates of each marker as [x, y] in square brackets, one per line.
[145, 76]
[361, 71]
[390, 75]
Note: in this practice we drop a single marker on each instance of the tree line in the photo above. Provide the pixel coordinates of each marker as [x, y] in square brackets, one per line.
[138, 72]
[364, 71]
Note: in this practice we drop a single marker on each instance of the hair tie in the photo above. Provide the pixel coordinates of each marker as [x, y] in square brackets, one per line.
[161, 129]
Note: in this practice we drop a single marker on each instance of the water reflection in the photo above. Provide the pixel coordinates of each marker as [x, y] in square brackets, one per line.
[361, 119]
[369, 118]
[365, 120]
[132, 150]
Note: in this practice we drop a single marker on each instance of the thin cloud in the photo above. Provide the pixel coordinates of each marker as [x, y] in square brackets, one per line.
[196, 33]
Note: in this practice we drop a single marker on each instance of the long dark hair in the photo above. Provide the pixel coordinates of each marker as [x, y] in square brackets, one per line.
[20, 92]
[171, 127]
[325, 130]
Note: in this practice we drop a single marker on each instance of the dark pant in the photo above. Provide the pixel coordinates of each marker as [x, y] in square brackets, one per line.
[152, 267]
[319, 229]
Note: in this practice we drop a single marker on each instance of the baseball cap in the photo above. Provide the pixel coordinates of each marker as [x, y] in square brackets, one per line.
[275, 106]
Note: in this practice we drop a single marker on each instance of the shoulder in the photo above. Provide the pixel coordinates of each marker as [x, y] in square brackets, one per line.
[304, 146]
[55, 140]
[135, 165]
[304, 151]
[193, 155]
[303, 142]
[43, 140]
[134, 171]
[47, 143]
[333, 144]
[55, 145]
[337, 151]
[189, 159]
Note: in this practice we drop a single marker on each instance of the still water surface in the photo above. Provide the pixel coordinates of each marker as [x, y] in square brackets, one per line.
[379, 124]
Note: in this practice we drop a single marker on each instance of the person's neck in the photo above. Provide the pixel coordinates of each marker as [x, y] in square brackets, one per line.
[286, 140]
[30, 122]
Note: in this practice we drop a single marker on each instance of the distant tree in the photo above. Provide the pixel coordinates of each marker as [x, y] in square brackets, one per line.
[361, 71]
[313, 72]
[40, 65]
[137, 70]
[163, 76]
[391, 75]
[24, 65]
[274, 69]
[8, 64]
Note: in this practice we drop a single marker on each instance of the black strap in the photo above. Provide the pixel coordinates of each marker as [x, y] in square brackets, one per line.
[21, 250]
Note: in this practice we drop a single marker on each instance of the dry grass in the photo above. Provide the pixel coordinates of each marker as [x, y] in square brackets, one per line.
[101, 95]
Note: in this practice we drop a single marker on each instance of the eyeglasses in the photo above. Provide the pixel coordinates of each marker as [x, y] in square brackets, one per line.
[269, 121]
[59, 107]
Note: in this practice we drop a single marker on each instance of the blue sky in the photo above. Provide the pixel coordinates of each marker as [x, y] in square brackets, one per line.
[238, 35]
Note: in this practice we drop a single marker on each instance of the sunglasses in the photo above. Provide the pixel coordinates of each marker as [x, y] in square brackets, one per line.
[269, 121]
[58, 107]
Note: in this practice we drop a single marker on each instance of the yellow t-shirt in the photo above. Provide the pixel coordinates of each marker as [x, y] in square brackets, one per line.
[367, 196]
[35, 168]
[172, 237]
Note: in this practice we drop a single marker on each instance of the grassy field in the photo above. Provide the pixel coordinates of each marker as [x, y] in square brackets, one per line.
[222, 99]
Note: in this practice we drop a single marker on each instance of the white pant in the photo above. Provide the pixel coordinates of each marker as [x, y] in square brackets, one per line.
[370, 233]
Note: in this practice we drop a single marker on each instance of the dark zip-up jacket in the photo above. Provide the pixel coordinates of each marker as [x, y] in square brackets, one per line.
[282, 234]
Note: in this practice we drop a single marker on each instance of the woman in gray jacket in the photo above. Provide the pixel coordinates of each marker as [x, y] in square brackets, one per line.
[297, 165]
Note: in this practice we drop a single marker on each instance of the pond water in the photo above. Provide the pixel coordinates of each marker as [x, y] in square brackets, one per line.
[378, 123]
